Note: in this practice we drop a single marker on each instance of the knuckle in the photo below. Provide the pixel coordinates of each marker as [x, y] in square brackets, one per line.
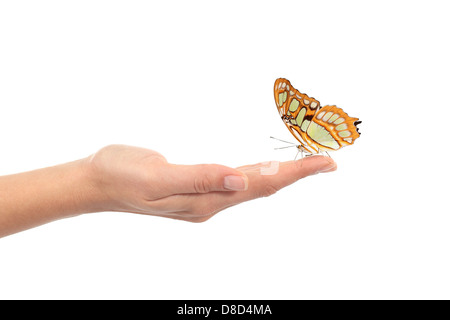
[268, 191]
[202, 212]
[200, 219]
[203, 184]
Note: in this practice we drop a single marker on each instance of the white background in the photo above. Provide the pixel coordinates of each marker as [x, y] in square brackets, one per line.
[194, 81]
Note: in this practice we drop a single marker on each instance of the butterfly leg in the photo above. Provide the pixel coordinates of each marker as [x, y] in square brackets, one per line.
[300, 150]
[295, 158]
[321, 153]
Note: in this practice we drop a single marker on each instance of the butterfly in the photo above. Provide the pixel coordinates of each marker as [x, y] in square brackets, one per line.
[317, 128]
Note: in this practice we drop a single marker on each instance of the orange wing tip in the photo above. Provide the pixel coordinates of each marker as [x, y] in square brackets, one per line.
[279, 83]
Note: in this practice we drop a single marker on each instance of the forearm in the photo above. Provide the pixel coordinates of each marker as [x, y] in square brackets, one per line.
[33, 198]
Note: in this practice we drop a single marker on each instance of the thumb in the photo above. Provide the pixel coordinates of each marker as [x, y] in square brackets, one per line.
[204, 178]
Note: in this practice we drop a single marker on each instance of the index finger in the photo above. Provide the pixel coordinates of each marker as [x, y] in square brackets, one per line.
[264, 179]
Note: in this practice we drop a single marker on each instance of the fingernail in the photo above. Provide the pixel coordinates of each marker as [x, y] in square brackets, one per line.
[327, 168]
[269, 168]
[235, 183]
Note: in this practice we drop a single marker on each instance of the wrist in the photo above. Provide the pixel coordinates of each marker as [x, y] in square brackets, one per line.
[91, 195]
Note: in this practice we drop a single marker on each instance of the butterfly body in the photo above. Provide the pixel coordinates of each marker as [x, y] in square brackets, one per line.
[317, 128]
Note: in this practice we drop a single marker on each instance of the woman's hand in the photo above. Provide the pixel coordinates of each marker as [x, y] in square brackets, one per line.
[131, 179]
[139, 180]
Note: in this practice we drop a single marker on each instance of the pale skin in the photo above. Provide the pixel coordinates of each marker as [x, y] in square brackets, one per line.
[137, 180]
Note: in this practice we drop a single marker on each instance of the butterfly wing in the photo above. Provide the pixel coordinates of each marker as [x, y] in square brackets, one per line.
[316, 128]
[297, 111]
[331, 128]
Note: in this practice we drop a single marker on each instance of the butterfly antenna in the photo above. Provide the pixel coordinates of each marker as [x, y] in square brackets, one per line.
[284, 147]
[282, 140]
